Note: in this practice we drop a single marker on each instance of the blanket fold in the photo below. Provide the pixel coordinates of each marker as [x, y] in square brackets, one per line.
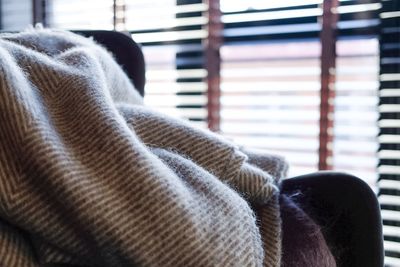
[90, 177]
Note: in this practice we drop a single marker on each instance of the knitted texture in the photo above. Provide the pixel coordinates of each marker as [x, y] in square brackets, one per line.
[88, 177]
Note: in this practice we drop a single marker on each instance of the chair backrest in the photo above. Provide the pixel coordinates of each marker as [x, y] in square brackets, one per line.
[126, 52]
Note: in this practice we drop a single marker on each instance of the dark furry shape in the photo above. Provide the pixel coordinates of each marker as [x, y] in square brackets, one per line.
[302, 241]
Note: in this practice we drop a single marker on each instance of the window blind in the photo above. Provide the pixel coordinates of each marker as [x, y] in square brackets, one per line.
[80, 15]
[355, 115]
[389, 134]
[172, 37]
[271, 78]
[271, 82]
[355, 144]
[15, 14]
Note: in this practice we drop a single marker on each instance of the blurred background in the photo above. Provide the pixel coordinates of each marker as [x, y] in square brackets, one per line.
[315, 81]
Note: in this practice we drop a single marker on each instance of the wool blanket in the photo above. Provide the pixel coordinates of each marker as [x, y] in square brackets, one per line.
[91, 177]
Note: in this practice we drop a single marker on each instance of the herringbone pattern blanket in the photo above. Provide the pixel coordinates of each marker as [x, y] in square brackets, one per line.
[90, 177]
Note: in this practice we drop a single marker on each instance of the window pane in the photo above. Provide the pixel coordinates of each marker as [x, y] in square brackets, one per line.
[16, 14]
[271, 78]
[270, 99]
[171, 37]
[355, 144]
[81, 15]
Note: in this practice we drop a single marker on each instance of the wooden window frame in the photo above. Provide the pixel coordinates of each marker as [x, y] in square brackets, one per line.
[327, 79]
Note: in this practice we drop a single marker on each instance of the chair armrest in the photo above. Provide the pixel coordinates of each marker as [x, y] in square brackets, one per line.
[348, 212]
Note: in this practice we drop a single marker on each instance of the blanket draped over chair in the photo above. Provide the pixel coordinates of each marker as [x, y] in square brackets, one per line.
[91, 177]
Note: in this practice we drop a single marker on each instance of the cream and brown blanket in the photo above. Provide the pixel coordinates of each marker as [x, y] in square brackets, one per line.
[90, 177]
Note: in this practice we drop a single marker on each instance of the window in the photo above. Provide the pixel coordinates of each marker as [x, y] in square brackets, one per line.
[75, 14]
[173, 38]
[252, 70]
[15, 14]
[355, 107]
[271, 82]
[271, 78]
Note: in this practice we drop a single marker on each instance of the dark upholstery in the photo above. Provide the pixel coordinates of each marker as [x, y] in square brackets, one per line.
[347, 210]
